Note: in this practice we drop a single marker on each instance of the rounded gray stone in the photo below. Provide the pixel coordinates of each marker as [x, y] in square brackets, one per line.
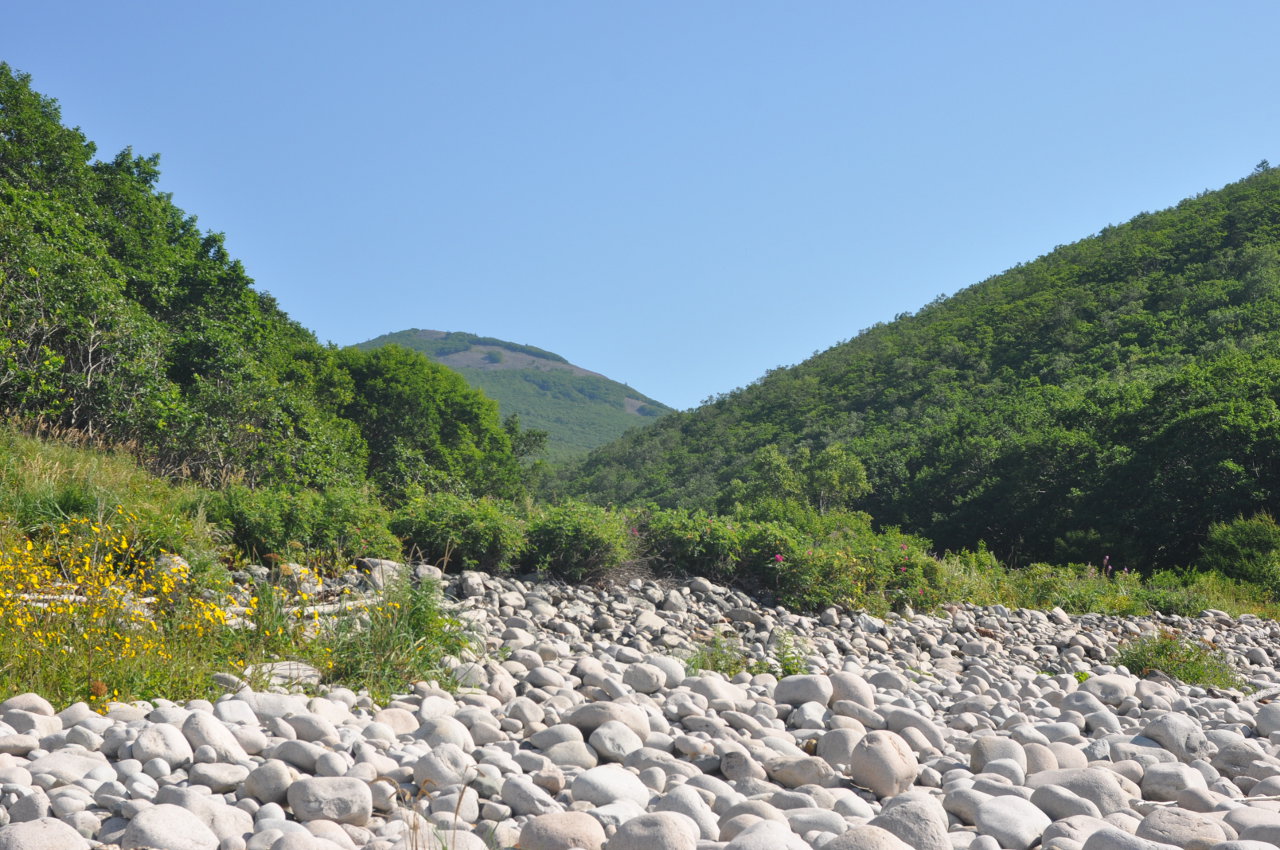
[608, 784]
[561, 830]
[866, 837]
[644, 678]
[270, 781]
[202, 729]
[1181, 735]
[168, 826]
[1012, 821]
[162, 741]
[1165, 781]
[1181, 828]
[883, 763]
[991, 747]
[797, 690]
[668, 830]
[341, 799]
[1101, 787]
[918, 819]
[42, 834]
[766, 835]
[614, 741]
[1059, 803]
[685, 800]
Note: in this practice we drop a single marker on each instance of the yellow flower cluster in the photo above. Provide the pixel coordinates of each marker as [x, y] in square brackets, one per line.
[82, 590]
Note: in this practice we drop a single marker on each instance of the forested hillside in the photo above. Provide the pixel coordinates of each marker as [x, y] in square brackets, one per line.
[122, 321]
[1112, 398]
[577, 408]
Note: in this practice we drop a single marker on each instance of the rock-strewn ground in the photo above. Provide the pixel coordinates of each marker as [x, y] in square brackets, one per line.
[581, 728]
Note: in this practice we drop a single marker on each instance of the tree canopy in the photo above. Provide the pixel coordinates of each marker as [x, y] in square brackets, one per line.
[1114, 397]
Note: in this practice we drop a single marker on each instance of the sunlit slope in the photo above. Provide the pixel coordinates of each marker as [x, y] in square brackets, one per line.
[578, 409]
[1111, 398]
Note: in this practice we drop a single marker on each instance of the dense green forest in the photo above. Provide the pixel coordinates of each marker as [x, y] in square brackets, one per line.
[125, 323]
[1113, 398]
[578, 409]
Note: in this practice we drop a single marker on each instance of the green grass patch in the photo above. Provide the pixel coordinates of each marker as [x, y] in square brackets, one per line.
[1190, 661]
[721, 653]
[45, 484]
[398, 638]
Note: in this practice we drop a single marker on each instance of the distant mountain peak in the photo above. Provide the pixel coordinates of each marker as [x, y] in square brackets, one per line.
[578, 408]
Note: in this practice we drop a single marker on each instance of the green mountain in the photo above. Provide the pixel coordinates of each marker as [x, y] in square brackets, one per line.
[578, 409]
[1104, 404]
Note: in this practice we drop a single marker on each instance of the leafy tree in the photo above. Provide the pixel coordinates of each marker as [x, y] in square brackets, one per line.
[425, 427]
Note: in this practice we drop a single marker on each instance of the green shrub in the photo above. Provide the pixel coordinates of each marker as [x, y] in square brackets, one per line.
[575, 540]
[974, 576]
[1190, 661]
[1173, 592]
[789, 657]
[1247, 549]
[838, 558]
[475, 534]
[296, 524]
[695, 542]
[722, 653]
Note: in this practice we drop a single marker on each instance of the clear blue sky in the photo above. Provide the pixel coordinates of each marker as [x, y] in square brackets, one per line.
[680, 195]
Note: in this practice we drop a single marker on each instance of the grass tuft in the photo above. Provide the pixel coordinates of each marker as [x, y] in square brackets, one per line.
[400, 637]
[1192, 662]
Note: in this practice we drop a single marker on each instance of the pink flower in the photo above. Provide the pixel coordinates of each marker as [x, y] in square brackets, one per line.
[778, 558]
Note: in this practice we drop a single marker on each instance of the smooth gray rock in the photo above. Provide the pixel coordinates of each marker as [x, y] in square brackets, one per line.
[883, 763]
[1012, 821]
[1101, 787]
[1181, 735]
[202, 729]
[990, 747]
[766, 835]
[270, 781]
[1060, 803]
[918, 819]
[162, 741]
[1181, 828]
[835, 747]
[644, 678]
[337, 798]
[685, 800]
[1115, 839]
[614, 741]
[669, 830]
[794, 771]
[589, 716]
[608, 784]
[866, 838]
[797, 690]
[1165, 781]
[42, 834]
[525, 798]
[561, 830]
[169, 827]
